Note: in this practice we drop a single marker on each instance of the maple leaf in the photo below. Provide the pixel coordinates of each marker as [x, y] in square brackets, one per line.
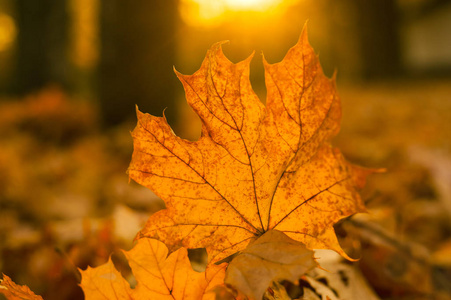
[13, 291]
[254, 168]
[271, 257]
[158, 276]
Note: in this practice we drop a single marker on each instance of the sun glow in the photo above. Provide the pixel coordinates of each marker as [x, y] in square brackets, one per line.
[255, 5]
[208, 12]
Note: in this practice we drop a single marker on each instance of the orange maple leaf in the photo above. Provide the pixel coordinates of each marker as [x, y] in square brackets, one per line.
[13, 291]
[255, 168]
[158, 276]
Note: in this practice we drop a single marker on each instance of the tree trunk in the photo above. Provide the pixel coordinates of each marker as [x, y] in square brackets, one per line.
[137, 55]
[378, 35]
[41, 45]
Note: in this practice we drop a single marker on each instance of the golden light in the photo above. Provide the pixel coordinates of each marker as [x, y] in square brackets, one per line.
[210, 13]
[8, 31]
[253, 5]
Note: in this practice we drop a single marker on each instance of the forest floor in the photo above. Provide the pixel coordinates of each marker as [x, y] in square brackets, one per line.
[66, 201]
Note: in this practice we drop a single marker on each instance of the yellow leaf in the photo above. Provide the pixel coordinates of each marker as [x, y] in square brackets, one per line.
[158, 276]
[13, 291]
[255, 168]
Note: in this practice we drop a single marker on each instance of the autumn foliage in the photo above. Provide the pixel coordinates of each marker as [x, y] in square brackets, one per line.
[255, 169]
[259, 177]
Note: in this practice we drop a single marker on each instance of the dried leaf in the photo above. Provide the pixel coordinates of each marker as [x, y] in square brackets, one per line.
[276, 292]
[322, 289]
[310, 295]
[391, 264]
[13, 291]
[158, 276]
[271, 257]
[345, 280]
[255, 168]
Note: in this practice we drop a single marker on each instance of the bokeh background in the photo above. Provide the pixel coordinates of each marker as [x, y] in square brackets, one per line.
[72, 72]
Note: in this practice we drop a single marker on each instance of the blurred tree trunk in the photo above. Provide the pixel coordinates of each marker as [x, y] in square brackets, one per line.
[363, 38]
[378, 25]
[137, 55]
[41, 44]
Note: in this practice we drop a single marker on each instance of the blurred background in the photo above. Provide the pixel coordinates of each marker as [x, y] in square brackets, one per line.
[72, 71]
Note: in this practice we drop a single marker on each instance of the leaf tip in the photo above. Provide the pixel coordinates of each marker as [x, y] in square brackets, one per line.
[249, 58]
[164, 115]
[345, 255]
[138, 112]
[360, 174]
[304, 33]
[216, 49]
[179, 75]
[333, 79]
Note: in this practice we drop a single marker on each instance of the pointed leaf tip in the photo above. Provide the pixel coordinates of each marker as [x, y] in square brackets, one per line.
[304, 32]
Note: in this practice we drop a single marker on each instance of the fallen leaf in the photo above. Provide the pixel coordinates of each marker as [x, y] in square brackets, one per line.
[273, 256]
[391, 265]
[276, 292]
[321, 289]
[345, 280]
[255, 168]
[13, 291]
[158, 276]
[310, 295]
